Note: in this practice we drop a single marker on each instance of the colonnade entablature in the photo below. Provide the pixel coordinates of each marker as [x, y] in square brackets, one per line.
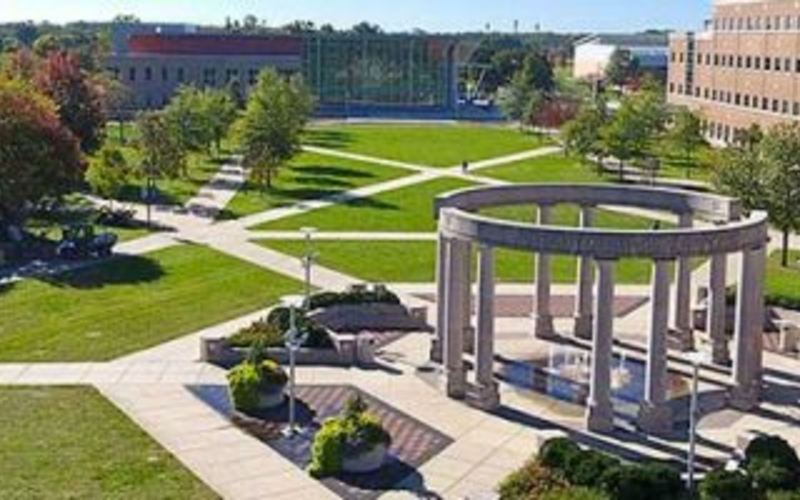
[463, 227]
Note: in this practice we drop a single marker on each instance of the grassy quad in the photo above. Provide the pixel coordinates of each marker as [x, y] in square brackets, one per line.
[128, 304]
[67, 442]
[309, 176]
[404, 210]
[783, 284]
[555, 168]
[415, 261]
[432, 145]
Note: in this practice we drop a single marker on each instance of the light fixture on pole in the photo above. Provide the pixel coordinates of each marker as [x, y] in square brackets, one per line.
[696, 358]
[307, 261]
[293, 340]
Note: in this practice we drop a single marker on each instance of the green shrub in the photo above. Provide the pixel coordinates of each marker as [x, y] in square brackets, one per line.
[556, 453]
[352, 433]
[352, 297]
[772, 464]
[586, 468]
[248, 380]
[726, 485]
[258, 331]
[573, 493]
[531, 481]
[280, 319]
[783, 495]
[245, 385]
[651, 481]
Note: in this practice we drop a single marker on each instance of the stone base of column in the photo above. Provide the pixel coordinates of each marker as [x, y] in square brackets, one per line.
[600, 418]
[469, 340]
[456, 384]
[685, 339]
[744, 398]
[543, 326]
[484, 396]
[655, 418]
[584, 326]
[720, 353]
[435, 353]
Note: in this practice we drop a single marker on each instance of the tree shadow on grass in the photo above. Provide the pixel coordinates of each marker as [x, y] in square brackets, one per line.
[128, 270]
[6, 287]
[329, 139]
[333, 182]
[373, 203]
[332, 171]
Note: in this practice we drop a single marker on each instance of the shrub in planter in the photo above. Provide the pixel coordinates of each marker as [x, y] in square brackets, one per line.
[532, 480]
[258, 331]
[279, 318]
[556, 453]
[353, 434]
[572, 493]
[249, 381]
[772, 464]
[651, 481]
[721, 484]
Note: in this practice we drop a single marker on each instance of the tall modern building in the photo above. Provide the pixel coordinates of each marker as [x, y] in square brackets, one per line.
[349, 74]
[744, 68]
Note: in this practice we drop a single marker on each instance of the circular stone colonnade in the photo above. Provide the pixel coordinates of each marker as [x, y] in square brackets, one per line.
[461, 229]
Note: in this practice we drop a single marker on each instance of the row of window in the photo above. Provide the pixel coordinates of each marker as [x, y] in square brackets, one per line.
[756, 23]
[209, 75]
[781, 106]
[720, 132]
[778, 64]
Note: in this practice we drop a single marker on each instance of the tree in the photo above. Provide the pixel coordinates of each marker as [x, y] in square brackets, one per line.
[720, 484]
[622, 67]
[366, 28]
[108, 174]
[686, 135]
[201, 118]
[300, 26]
[625, 136]
[39, 157]
[537, 72]
[582, 134]
[767, 178]
[269, 131]
[161, 151]
[222, 111]
[750, 137]
[77, 96]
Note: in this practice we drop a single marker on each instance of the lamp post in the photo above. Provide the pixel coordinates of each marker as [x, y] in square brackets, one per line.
[307, 260]
[696, 358]
[293, 340]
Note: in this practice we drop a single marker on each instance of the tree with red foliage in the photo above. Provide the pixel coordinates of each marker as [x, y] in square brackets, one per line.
[553, 112]
[77, 96]
[39, 156]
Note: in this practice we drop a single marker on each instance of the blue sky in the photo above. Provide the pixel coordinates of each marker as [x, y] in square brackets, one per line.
[431, 15]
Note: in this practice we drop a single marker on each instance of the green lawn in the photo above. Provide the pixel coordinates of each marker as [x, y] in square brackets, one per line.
[309, 176]
[69, 442]
[434, 145]
[550, 168]
[404, 210]
[414, 262]
[128, 304]
[783, 284]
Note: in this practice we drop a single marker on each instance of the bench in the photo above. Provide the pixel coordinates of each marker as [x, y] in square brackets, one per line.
[788, 335]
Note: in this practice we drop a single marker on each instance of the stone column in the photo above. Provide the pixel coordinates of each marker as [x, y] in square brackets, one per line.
[749, 332]
[486, 395]
[654, 412]
[583, 298]
[716, 310]
[599, 411]
[441, 313]
[683, 293]
[465, 270]
[544, 319]
[456, 319]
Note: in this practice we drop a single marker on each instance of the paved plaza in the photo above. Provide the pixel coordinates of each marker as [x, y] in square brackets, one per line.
[461, 452]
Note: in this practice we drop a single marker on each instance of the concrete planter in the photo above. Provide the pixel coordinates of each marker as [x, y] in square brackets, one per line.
[367, 462]
[271, 397]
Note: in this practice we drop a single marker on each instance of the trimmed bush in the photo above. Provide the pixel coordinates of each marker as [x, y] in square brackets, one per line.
[248, 380]
[556, 453]
[772, 464]
[651, 481]
[726, 485]
[352, 433]
[586, 468]
[783, 495]
[280, 319]
[573, 493]
[352, 297]
[532, 480]
[258, 331]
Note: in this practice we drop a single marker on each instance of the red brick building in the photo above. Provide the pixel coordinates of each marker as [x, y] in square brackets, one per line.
[744, 68]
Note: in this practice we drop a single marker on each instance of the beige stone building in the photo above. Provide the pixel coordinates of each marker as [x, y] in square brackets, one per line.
[744, 68]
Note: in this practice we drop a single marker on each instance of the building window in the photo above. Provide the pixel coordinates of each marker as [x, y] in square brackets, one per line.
[132, 74]
[708, 59]
[697, 91]
[181, 76]
[209, 76]
[673, 56]
[738, 99]
[231, 74]
[714, 94]
[777, 64]
[730, 61]
[699, 58]
[775, 105]
[787, 65]
[671, 87]
[785, 107]
[796, 108]
[705, 93]
[739, 61]
[164, 73]
[148, 73]
[755, 101]
[680, 57]
[716, 59]
[252, 76]
[767, 63]
[765, 104]
[746, 100]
